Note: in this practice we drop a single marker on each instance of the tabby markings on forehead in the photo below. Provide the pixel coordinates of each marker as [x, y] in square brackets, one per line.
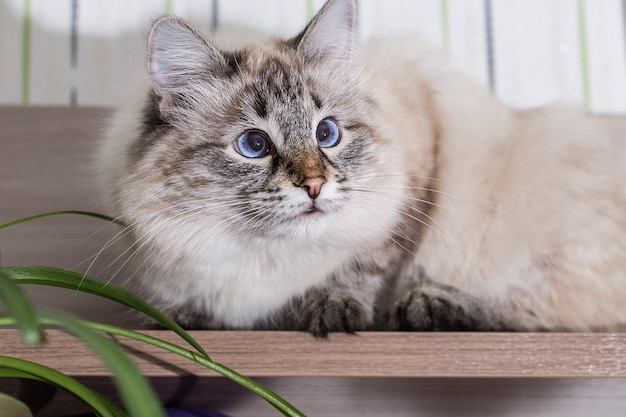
[281, 80]
[260, 105]
[251, 95]
[316, 100]
[235, 61]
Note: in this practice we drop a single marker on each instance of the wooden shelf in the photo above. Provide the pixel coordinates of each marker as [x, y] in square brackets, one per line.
[365, 355]
[371, 374]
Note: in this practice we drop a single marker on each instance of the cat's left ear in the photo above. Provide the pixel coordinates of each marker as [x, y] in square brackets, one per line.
[329, 36]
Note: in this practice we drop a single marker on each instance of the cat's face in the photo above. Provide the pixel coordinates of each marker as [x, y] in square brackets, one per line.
[274, 140]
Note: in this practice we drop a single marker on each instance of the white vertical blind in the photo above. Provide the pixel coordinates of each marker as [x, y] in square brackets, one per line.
[531, 52]
[51, 76]
[381, 18]
[607, 66]
[537, 51]
[200, 13]
[281, 17]
[11, 48]
[466, 37]
[111, 48]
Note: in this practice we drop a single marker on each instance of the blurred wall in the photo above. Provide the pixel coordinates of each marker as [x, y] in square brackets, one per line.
[529, 52]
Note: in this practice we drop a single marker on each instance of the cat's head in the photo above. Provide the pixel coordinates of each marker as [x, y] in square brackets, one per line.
[273, 139]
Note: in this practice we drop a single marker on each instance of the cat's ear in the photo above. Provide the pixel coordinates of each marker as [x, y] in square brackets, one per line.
[330, 34]
[178, 56]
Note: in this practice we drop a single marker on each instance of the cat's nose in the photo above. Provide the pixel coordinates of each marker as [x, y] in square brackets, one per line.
[313, 185]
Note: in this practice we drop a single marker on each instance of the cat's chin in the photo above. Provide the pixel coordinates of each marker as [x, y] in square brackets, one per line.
[308, 223]
[312, 211]
[312, 214]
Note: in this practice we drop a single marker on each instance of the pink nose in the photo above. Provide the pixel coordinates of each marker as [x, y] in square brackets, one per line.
[313, 186]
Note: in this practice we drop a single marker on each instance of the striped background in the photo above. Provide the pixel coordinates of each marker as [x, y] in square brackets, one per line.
[529, 52]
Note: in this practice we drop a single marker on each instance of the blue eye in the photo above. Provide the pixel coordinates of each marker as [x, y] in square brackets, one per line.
[327, 133]
[253, 144]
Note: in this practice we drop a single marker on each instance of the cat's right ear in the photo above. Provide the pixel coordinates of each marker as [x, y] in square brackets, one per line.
[329, 36]
[178, 57]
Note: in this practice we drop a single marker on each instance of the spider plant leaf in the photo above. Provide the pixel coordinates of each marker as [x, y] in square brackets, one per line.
[56, 213]
[20, 368]
[42, 275]
[271, 397]
[14, 373]
[21, 309]
[133, 387]
[12, 407]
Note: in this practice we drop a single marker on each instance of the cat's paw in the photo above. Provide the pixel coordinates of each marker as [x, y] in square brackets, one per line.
[430, 309]
[328, 312]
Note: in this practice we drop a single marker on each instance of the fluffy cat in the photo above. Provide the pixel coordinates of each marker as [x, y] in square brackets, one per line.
[317, 185]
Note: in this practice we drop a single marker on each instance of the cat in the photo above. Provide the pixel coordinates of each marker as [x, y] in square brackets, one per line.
[318, 184]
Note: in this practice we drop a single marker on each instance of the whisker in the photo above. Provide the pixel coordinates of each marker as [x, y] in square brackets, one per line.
[426, 177]
[231, 220]
[390, 236]
[438, 229]
[224, 224]
[434, 190]
[228, 202]
[485, 204]
[120, 235]
[422, 212]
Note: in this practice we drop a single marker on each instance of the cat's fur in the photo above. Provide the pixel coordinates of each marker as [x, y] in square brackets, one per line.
[440, 208]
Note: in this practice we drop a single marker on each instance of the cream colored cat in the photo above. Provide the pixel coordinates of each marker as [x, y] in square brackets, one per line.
[314, 184]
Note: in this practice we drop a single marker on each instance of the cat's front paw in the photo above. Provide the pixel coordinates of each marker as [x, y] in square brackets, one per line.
[328, 312]
[429, 309]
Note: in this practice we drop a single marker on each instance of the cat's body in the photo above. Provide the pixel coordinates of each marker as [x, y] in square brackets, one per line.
[425, 203]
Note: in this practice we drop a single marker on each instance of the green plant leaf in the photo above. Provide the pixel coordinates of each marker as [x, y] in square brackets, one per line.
[274, 399]
[42, 275]
[271, 397]
[20, 368]
[14, 373]
[57, 213]
[12, 407]
[20, 307]
[133, 387]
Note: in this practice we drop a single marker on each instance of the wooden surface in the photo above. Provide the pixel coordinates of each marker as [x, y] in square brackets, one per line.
[372, 374]
[368, 374]
[46, 163]
[367, 354]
